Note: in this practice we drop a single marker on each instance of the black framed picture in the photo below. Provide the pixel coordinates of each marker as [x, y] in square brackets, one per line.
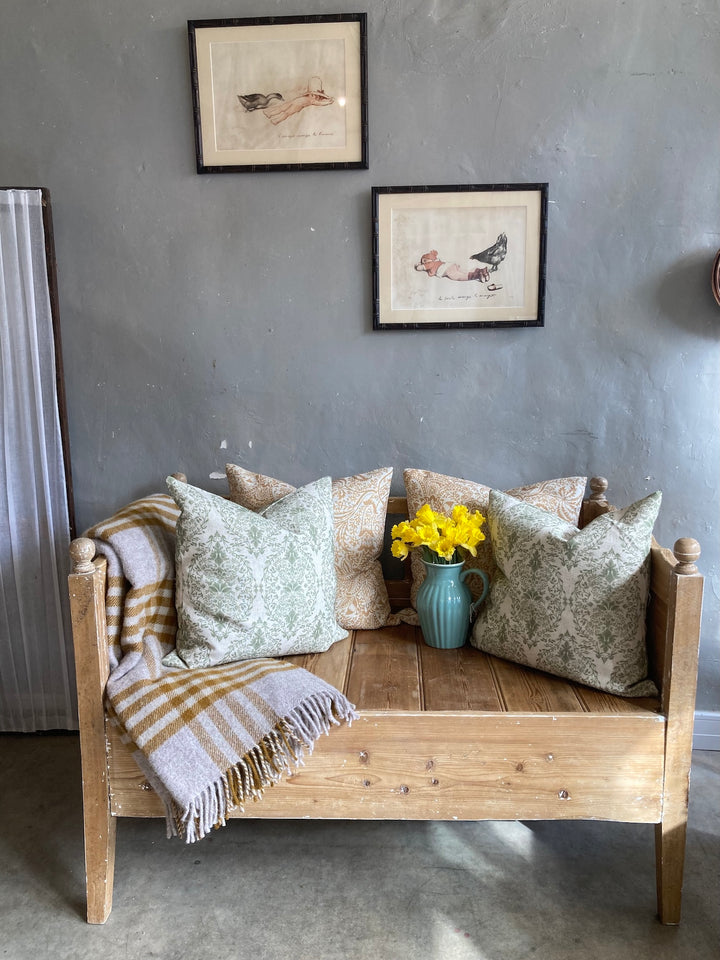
[280, 93]
[459, 256]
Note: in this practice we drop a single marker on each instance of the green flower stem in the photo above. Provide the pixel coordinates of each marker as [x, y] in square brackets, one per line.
[429, 556]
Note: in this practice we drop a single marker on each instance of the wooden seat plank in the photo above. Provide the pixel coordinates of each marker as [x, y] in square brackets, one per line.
[458, 679]
[385, 670]
[595, 701]
[333, 666]
[530, 691]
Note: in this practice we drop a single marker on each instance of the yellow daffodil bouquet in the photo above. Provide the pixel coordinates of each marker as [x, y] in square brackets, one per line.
[443, 539]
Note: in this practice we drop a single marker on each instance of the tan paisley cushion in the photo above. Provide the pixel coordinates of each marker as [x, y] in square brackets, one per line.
[360, 507]
[563, 497]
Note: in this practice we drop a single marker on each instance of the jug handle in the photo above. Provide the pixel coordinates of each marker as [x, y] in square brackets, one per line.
[486, 586]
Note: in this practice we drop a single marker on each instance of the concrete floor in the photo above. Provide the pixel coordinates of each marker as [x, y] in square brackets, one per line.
[303, 890]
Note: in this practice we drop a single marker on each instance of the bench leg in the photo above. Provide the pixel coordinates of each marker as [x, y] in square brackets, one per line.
[87, 607]
[678, 705]
[669, 864]
[99, 863]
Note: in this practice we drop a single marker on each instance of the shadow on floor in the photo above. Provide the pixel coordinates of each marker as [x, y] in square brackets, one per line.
[315, 890]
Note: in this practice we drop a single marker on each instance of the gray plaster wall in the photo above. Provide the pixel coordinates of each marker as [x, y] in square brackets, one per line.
[229, 317]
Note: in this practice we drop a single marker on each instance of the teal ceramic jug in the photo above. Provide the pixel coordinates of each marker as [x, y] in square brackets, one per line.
[445, 606]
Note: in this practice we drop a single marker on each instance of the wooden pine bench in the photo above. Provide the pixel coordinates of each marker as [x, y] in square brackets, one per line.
[444, 734]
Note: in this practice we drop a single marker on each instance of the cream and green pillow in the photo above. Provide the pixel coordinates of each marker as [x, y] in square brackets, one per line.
[568, 601]
[253, 585]
[360, 507]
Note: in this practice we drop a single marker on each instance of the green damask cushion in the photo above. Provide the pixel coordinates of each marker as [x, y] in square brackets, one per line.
[253, 585]
[568, 601]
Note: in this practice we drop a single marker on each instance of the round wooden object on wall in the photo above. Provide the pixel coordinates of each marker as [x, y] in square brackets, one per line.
[716, 278]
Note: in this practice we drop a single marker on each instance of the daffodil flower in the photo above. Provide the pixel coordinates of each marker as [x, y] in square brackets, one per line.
[444, 539]
[399, 549]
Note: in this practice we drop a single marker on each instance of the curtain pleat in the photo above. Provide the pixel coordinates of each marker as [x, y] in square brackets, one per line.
[36, 669]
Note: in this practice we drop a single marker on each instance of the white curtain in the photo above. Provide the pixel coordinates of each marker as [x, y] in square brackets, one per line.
[36, 669]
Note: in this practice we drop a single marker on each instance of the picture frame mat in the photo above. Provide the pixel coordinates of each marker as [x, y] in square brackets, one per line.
[348, 32]
[390, 203]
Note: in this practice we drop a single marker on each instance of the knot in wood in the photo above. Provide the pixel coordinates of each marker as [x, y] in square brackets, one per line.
[404, 789]
[563, 795]
[363, 756]
[520, 767]
[366, 783]
[430, 765]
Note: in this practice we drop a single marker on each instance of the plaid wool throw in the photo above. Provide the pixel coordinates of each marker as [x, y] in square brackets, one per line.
[207, 740]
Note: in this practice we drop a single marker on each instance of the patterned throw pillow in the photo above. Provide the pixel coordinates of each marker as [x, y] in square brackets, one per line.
[562, 497]
[360, 506]
[253, 585]
[571, 602]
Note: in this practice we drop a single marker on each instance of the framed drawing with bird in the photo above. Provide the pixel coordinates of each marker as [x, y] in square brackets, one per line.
[459, 256]
[280, 93]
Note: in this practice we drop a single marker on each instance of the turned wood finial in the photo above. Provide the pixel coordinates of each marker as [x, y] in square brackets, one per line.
[82, 552]
[599, 486]
[179, 476]
[686, 552]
